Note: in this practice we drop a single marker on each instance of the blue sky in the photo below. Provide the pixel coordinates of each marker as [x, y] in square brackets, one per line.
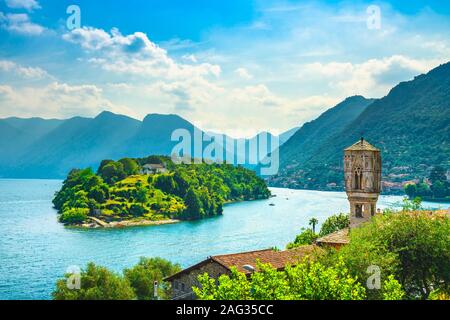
[232, 66]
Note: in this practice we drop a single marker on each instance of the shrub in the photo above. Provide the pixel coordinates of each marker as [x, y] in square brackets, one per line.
[74, 216]
[96, 283]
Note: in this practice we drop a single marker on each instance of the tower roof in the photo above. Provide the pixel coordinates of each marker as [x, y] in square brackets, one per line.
[362, 145]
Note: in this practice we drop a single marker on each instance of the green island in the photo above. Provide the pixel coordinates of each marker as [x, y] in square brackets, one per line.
[152, 190]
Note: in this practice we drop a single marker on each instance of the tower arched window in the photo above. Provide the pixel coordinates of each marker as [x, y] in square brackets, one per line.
[358, 179]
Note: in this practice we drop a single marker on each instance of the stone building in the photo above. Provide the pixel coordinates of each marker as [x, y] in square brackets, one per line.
[362, 171]
[245, 262]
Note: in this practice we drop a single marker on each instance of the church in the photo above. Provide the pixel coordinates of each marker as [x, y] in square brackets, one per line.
[362, 174]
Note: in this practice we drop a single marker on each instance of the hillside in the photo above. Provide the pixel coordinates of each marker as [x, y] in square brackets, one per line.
[411, 126]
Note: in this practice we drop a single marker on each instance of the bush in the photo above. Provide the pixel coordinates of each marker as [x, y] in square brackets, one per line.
[334, 223]
[306, 281]
[307, 237]
[412, 246]
[74, 216]
[137, 210]
[96, 283]
[142, 277]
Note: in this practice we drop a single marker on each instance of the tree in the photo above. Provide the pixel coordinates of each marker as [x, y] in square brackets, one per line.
[313, 222]
[412, 246]
[439, 189]
[112, 172]
[137, 210]
[411, 190]
[99, 193]
[141, 193]
[165, 183]
[193, 204]
[306, 237]
[74, 215]
[96, 283]
[334, 223]
[130, 166]
[308, 280]
[392, 289]
[142, 277]
[412, 205]
[423, 190]
[438, 174]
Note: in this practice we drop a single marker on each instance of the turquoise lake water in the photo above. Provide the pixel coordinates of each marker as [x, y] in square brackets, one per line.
[35, 250]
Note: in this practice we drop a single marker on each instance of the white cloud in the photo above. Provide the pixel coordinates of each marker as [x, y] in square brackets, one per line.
[190, 58]
[31, 73]
[56, 100]
[20, 23]
[373, 78]
[135, 54]
[243, 73]
[23, 4]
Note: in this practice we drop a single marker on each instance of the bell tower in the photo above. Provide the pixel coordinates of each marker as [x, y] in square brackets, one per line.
[362, 169]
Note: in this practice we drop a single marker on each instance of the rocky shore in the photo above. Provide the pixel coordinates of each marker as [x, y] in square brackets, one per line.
[96, 223]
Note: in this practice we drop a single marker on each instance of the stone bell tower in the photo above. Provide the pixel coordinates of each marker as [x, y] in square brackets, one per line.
[362, 169]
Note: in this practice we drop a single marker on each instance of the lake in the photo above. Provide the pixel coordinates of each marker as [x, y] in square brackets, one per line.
[36, 250]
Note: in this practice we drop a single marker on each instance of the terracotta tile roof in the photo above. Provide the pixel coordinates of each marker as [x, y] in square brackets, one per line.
[278, 259]
[338, 237]
[362, 145]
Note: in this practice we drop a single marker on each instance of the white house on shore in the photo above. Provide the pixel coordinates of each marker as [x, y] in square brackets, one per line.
[152, 168]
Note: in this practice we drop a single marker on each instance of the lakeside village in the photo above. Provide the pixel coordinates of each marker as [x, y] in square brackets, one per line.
[367, 254]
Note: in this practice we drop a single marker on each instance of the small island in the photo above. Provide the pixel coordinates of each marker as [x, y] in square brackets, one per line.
[152, 191]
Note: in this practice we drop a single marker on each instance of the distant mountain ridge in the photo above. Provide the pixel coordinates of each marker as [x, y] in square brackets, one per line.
[411, 126]
[38, 148]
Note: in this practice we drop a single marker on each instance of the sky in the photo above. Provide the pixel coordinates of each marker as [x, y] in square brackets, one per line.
[237, 67]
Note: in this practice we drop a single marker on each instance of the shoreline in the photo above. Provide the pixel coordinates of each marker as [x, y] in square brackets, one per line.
[97, 223]
[100, 224]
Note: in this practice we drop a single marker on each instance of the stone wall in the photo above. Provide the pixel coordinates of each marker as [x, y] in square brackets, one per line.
[182, 285]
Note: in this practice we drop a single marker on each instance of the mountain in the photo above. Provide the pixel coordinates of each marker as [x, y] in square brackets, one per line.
[311, 135]
[285, 136]
[37, 148]
[411, 126]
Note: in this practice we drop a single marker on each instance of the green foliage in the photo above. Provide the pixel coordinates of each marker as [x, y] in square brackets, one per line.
[184, 192]
[334, 223]
[74, 216]
[313, 222]
[142, 277]
[438, 174]
[412, 246]
[392, 289]
[440, 188]
[165, 183]
[112, 172]
[97, 283]
[411, 190]
[305, 281]
[412, 205]
[130, 166]
[194, 207]
[306, 237]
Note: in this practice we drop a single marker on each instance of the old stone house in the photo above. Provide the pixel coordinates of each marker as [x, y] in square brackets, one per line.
[245, 262]
[152, 168]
